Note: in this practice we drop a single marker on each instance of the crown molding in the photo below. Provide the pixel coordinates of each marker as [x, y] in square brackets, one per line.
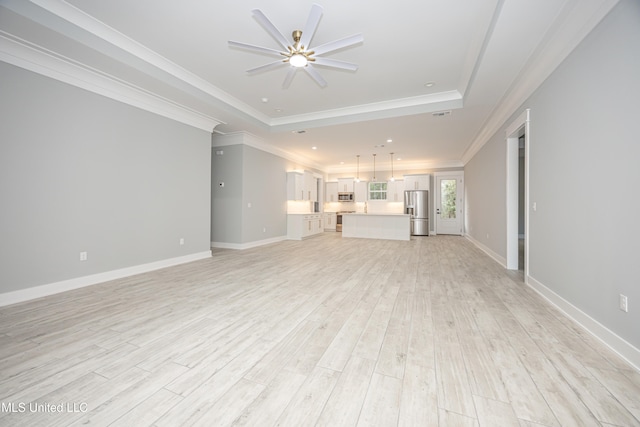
[405, 167]
[246, 138]
[448, 100]
[86, 29]
[39, 60]
[577, 19]
[66, 19]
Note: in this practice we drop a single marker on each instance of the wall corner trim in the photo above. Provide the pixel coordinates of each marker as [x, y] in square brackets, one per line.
[94, 279]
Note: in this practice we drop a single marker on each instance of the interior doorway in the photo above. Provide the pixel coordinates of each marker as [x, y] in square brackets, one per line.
[517, 179]
[521, 205]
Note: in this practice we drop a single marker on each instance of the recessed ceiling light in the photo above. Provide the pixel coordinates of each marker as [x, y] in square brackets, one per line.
[342, 163]
[429, 84]
[278, 110]
[314, 148]
[265, 100]
[389, 140]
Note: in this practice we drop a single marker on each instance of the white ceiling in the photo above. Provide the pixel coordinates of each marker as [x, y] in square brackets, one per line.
[484, 58]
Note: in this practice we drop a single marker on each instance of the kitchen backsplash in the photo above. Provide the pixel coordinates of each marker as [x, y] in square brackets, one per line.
[296, 207]
[371, 207]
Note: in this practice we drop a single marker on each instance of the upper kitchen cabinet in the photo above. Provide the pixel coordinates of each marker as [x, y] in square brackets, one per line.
[295, 186]
[298, 186]
[361, 192]
[345, 185]
[311, 186]
[331, 192]
[302, 186]
[395, 191]
[417, 182]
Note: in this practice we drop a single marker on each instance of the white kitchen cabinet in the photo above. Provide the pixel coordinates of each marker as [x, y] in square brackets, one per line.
[295, 186]
[361, 193]
[301, 226]
[302, 186]
[345, 185]
[310, 186]
[329, 221]
[395, 191]
[417, 182]
[331, 192]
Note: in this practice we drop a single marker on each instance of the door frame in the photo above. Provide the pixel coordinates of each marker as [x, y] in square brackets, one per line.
[458, 175]
[512, 134]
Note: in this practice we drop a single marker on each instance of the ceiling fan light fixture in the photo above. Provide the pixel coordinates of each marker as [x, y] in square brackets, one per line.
[299, 54]
[298, 60]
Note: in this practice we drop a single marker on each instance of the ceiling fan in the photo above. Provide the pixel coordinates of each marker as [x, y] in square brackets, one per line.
[298, 54]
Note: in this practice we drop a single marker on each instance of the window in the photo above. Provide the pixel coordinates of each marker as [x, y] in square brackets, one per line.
[448, 194]
[377, 191]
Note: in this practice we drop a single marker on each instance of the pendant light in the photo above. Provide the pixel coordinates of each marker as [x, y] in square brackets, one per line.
[358, 168]
[374, 167]
[392, 178]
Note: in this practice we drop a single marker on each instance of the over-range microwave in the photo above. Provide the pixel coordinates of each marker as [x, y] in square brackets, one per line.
[345, 197]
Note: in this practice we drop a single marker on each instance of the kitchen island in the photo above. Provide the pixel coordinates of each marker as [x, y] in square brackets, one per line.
[376, 226]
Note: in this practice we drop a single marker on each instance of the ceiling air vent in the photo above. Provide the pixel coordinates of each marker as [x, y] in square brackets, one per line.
[441, 113]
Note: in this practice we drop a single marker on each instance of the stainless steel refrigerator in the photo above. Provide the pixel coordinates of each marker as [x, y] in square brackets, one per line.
[416, 204]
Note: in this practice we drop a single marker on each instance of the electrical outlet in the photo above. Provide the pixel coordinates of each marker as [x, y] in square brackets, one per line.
[624, 303]
[181, 241]
[83, 256]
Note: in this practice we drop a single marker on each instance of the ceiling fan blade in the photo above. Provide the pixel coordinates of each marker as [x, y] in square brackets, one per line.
[254, 48]
[266, 67]
[289, 78]
[338, 44]
[327, 62]
[311, 25]
[271, 29]
[315, 75]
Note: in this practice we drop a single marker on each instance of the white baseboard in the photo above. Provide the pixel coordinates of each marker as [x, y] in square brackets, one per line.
[624, 349]
[80, 282]
[249, 245]
[499, 259]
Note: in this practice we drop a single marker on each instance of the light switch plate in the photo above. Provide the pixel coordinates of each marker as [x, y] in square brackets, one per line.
[624, 303]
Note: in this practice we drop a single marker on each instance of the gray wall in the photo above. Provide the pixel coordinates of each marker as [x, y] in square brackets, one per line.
[226, 202]
[584, 176]
[265, 187]
[251, 176]
[81, 172]
[485, 195]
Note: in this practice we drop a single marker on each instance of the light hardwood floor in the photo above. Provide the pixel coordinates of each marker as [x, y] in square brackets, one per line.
[326, 332]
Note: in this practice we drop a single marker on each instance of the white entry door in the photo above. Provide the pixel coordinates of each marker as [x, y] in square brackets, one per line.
[449, 188]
